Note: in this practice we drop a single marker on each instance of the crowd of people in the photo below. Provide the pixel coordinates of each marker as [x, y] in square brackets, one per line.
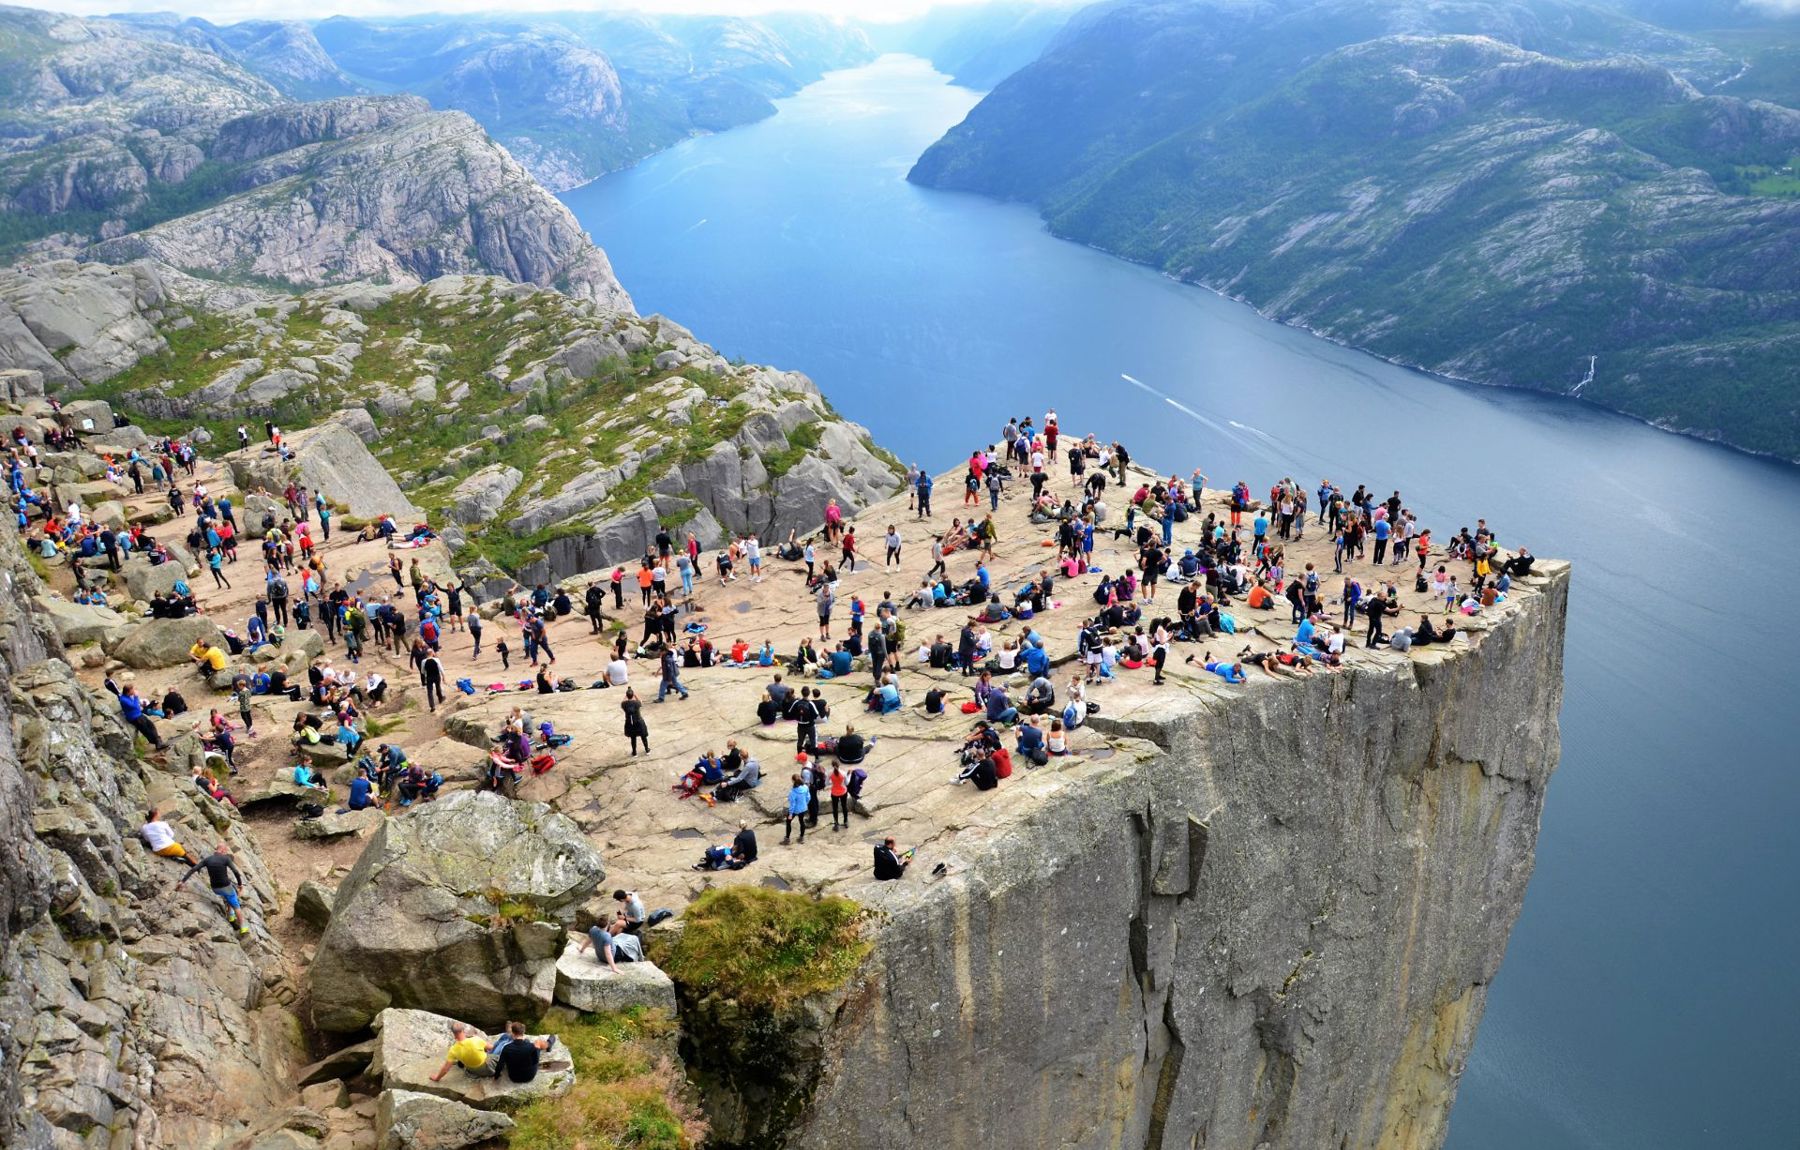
[1201, 573]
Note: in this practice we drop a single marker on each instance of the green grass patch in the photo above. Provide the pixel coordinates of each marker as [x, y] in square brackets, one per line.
[766, 947]
[801, 440]
[628, 1093]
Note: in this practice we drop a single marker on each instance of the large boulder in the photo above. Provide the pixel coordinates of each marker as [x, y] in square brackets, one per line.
[460, 906]
[89, 416]
[583, 982]
[479, 497]
[78, 623]
[409, 1120]
[256, 505]
[163, 642]
[330, 458]
[410, 1046]
[333, 825]
[143, 579]
[312, 904]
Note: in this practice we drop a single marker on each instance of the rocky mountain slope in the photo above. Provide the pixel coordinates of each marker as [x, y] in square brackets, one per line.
[132, 141]
[374, 188]
[283, 52]
[576, 95]
[1551, 203]
[546, 434]
[123, 1007]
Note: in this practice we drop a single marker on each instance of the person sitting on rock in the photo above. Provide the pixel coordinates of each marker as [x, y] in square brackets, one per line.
[746, 777]
[515, 1056]
[890, 864]
[466, 1050]
[743, 846]
[612, 945]
[208, 658]
[362, 790]
[851, 747]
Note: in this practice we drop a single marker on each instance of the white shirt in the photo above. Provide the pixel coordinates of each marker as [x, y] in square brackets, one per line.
[158, 835]
[616, 672]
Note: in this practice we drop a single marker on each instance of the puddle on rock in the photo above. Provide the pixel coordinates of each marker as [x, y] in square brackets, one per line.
[776, 882]
[1102, 753]
[742, 608]
[687, 833]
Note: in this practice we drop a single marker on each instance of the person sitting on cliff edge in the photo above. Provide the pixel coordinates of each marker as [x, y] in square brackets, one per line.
[889, 864]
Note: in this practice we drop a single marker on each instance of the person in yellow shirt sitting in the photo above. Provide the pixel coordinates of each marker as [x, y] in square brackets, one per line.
[208, 658]
[466, 1050]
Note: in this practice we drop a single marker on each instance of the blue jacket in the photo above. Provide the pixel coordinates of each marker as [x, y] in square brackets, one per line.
[798, 800]
[132, 706]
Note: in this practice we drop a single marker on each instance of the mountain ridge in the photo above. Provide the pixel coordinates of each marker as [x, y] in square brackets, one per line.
[1450, 202]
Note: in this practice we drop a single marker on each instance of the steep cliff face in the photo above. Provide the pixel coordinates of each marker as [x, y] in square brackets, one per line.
[128, 1015]
[1277, 930]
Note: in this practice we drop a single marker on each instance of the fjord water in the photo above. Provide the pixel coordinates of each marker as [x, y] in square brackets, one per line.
[1648, 997]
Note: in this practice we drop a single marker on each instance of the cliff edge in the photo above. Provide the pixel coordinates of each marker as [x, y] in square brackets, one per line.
[1275, 927]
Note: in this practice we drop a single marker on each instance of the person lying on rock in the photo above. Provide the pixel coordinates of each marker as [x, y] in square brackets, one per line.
[466, 1050]
[612, 945]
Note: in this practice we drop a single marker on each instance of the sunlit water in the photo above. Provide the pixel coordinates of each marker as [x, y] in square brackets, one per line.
[1648, 997]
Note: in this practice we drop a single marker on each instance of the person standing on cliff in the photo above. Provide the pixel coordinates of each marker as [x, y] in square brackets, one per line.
[635, 729]
[798, 798]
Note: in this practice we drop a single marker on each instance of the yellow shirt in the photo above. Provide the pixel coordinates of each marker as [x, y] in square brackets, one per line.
[470, 1053]
[215, 658]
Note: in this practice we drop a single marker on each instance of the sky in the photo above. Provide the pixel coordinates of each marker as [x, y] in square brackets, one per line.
[225, 11]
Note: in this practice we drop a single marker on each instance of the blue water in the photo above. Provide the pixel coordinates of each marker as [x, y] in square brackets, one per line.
[1648, 997]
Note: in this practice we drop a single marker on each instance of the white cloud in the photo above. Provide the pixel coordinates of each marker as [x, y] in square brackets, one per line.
[225, 11]
[1775, 7]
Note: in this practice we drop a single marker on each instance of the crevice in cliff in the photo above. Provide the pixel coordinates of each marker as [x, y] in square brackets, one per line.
[1167, 1079]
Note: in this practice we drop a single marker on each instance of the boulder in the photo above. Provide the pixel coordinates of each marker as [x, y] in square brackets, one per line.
[346, 1062]
[358, 420]
[329, 458]
[109, 513]
[461, 905]
[479, 497]
[282, 789]
[163, 642]
[312, 904]
[256, 505]
[583, 982]
[410, 1046]
[333, 825]
[20, 383]
[409, 1120]
[78, 623]
[89, 416]
[142, 580]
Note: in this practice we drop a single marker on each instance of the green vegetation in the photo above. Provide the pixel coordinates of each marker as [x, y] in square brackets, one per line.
[800, 441]
[1766, 181]
[766, 947]
[628, 1093]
